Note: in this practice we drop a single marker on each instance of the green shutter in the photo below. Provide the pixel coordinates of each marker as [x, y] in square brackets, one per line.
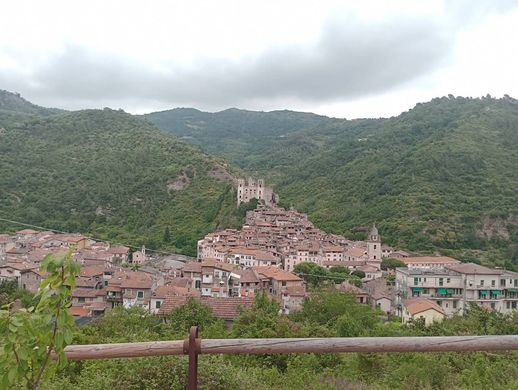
[417, 289]
[495, 292]
[484, 292]
[442, 291]
[449, 290]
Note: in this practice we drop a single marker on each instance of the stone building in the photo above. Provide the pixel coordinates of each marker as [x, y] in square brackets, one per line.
[248, 189]
[374, 248]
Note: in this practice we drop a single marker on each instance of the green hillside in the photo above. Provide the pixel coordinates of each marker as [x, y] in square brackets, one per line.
[13, 103]
[113, 175]
[442, 176]
[234, 133]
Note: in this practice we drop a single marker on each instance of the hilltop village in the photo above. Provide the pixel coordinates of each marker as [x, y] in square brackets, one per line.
[232, 266]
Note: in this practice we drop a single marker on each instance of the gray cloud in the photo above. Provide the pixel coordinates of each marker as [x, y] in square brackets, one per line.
[349, 60]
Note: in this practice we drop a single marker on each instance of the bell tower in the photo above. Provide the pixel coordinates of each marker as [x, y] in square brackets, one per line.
[374, 247]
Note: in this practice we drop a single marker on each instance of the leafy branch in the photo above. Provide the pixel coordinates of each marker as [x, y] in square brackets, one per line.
[32, 335]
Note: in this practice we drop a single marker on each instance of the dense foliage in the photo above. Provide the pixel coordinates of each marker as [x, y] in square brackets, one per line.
[441, 176]
[112, 175]
[325, 314]
[28, 336]
[239, 135]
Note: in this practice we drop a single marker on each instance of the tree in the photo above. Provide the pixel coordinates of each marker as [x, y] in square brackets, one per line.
[389, 263]
[33, 334]
[338, 275]
[312, 273]
[167, 235]
[358, 273]
[193, 312]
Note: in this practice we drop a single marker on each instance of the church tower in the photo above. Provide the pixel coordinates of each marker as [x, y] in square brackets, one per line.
[374, 247]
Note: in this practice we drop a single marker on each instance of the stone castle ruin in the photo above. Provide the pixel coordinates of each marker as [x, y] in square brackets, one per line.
[248, 189]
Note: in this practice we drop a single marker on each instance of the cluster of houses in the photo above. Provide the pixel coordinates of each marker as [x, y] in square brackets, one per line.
[436, 287]
[232, 266]
[284, 238]
[106, 281]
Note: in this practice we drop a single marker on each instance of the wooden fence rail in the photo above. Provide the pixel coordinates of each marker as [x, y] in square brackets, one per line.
[296, 345]
[193, 346]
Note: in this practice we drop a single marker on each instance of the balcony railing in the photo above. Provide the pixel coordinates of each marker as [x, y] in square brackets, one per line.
[193, 346]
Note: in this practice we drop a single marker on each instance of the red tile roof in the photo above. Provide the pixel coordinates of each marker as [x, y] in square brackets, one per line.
[471, 268]
[79, 311]
[224, 308]
[415, 306]
[275, 273]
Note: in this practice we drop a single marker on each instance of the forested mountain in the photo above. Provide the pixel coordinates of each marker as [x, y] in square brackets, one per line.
[442, 176]
[113, 175]
[13, 103]
[234, 133]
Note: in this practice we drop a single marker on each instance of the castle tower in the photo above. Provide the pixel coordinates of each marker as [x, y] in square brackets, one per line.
[374, 247]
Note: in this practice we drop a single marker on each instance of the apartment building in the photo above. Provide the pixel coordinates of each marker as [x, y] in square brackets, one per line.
[454, 287]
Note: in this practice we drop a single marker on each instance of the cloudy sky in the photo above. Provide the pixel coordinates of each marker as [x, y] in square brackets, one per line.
[339, 58]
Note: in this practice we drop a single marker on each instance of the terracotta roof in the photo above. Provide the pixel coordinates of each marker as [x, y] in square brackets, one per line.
[224, 308]
[192, 266]
[355, 252]
[92, 271]
[165, 291]
[172, 302]
[247, 276]
[430, 259]
[228, 308]
[275, 273]
[471, 268]
[295, 291]
[333, 248]
[136, 280]
[178, 282]
[79, 311]
[82, 281]
[378, 288]
[97, 305]
[87, 292]
[352, 289]
[368, 268]
[23, 266]
[415, 306]
[212, 263]
[119, 250]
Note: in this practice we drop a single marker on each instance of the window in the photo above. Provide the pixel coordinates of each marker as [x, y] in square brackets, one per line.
[158, 304]
[140, 294]
[454, 304]
[482, 282]
[415, 281]
[493, 283]
[284, 283]
[441, 281]
[197, 284]
[502, 282]
[81, 299]
[447, 280]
